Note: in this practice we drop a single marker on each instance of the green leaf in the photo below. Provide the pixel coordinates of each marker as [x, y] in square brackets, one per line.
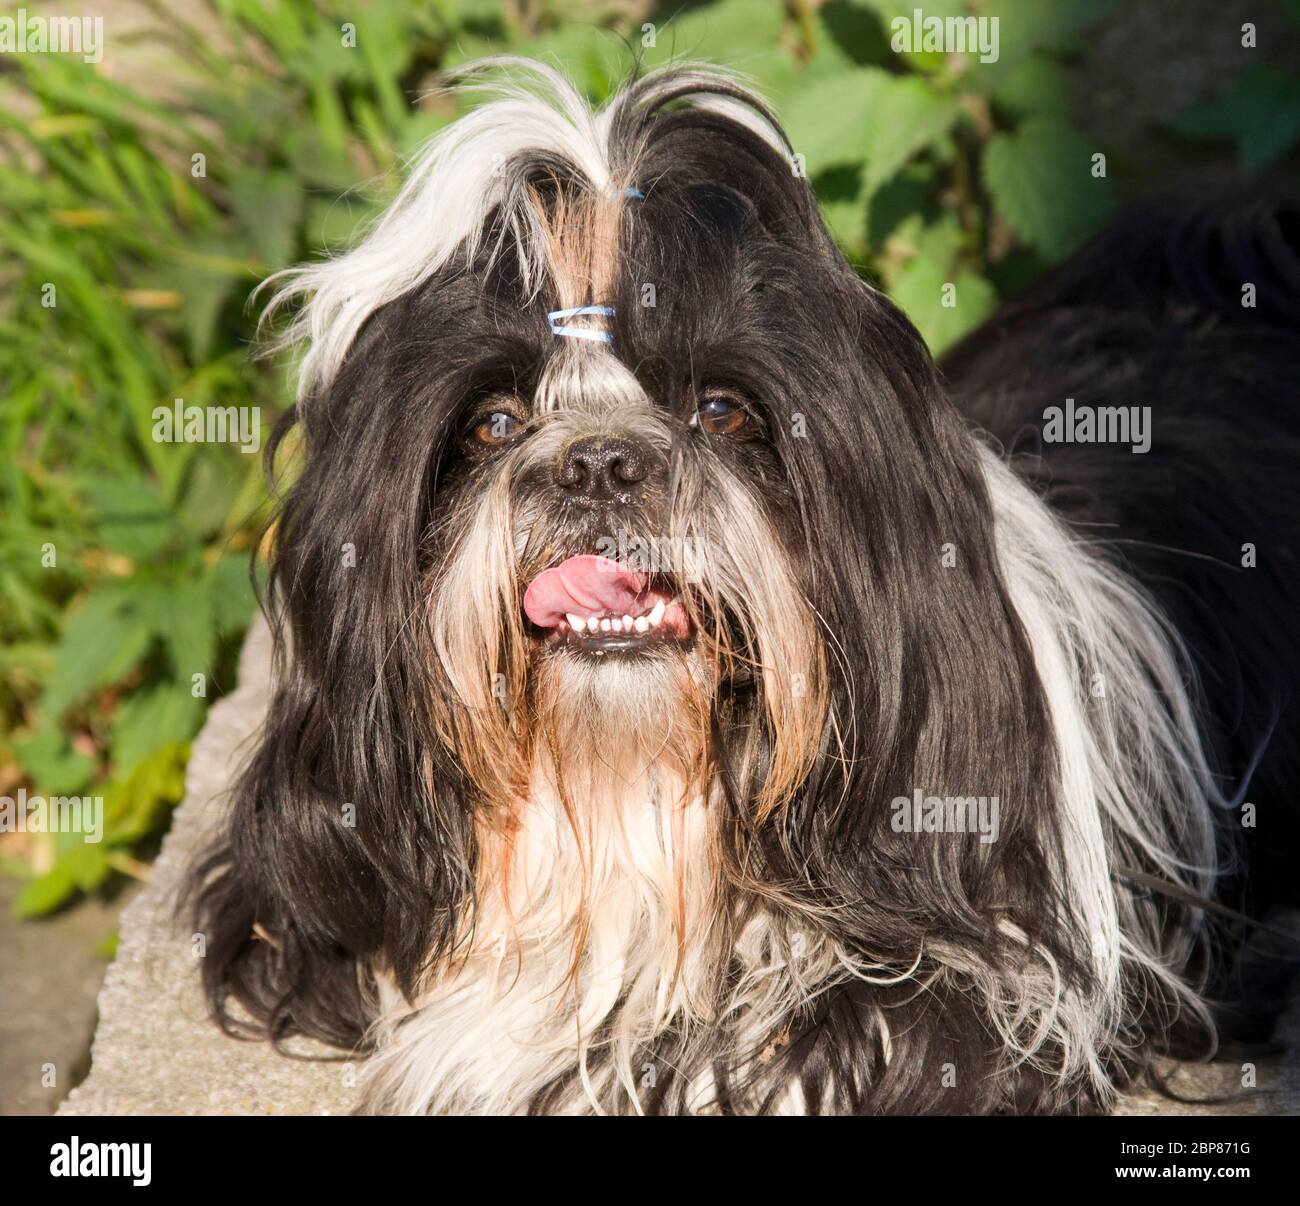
[910, 193]
[152, 718]
[325, 57]
[909, 115]
[738, 33]
[868, 114]
[82, 866]
[1041, 183]
[1034, 86]
[334, 223]
[896, 17]
[136, 806]
[269, 206]
[180, 612]
[100, 642]
[190, 637]
[210, 489]
[52, 764]
[839, 192]
[47, 892]
[934, 275]
[921, 294]
[827, 122]
[132, 519]
[205, 294]
[1260, 115]
[853, 34]
[233, 601]
[89, 864]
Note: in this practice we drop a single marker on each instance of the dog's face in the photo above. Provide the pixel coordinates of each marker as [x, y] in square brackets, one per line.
[616, 553]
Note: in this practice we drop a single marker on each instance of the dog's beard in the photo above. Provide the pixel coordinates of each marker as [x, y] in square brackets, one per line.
[520, 700]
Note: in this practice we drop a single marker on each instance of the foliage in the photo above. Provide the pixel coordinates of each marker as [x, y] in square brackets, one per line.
[123, 560]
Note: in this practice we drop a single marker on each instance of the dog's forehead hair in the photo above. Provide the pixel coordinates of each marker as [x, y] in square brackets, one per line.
[580, 378]
[577, 231]
[537, 168]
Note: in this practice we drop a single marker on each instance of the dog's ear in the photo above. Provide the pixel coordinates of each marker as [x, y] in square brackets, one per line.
[348, 837]
[933, 682]
[932, 689]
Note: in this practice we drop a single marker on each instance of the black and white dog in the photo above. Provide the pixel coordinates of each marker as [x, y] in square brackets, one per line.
[691, 703]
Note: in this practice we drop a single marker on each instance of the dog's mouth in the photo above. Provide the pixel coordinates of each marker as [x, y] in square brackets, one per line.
[597, 606]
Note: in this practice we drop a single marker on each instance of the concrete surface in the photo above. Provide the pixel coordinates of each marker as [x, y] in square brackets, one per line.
[50, 971]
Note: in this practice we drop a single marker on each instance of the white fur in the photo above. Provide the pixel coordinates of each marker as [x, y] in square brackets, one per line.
[1133, 776]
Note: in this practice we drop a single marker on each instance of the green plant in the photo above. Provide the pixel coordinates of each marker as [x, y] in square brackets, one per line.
[134, 228]
[1258, 113]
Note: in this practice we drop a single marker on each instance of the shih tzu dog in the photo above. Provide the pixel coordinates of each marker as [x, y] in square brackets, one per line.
[690, 702]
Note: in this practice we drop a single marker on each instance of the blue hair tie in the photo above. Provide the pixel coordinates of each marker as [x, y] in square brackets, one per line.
[635, 193]
[580, 332]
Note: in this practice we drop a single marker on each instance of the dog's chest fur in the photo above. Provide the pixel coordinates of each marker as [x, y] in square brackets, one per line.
[597, 932]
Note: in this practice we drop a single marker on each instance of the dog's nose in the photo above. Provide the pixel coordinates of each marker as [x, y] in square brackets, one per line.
[602, 469]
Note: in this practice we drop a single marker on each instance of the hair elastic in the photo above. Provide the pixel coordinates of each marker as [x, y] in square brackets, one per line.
[580, 332]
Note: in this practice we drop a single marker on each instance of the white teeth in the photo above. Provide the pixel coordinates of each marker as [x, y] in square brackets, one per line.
[618, 624]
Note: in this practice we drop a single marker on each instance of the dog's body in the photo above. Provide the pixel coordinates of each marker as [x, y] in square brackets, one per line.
[541, 856]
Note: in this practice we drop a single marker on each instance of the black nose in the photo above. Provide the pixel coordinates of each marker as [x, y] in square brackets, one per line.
[602, 469]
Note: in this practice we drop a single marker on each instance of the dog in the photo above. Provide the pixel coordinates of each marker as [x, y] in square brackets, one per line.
[689, 700]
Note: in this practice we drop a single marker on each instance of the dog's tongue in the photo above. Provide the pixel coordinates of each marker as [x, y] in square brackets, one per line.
[585, 585]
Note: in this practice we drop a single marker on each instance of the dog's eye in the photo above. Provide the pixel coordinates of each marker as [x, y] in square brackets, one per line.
[495, 429]
[719, 414]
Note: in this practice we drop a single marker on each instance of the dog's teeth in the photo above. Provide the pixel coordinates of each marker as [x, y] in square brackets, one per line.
[605, 625]
[657, 615]
[593, 623]
[641, 624]
[577, 623]
[627, 623]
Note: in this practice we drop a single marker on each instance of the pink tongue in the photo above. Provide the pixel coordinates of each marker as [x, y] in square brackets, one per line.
[586, 586]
